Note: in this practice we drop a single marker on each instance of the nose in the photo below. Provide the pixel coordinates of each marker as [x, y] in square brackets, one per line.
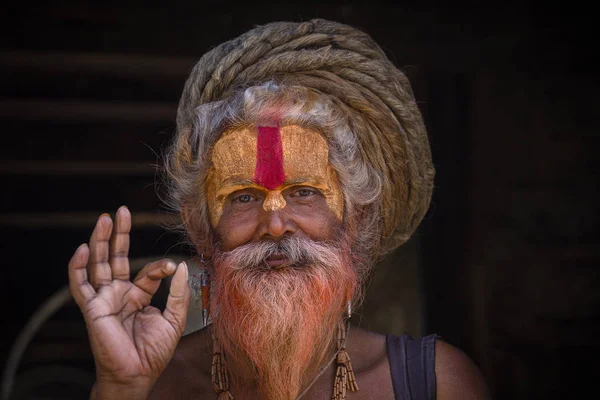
[276, 224]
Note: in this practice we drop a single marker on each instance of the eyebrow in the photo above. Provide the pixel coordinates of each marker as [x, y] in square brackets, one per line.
[296, 181]
[250, 182]
[233, 185]
[238, 182]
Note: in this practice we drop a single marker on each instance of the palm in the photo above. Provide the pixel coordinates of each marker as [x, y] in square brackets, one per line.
[129, 338]
[127, 332]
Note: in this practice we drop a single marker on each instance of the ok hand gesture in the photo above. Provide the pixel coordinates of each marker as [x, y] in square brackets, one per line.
[132, 341]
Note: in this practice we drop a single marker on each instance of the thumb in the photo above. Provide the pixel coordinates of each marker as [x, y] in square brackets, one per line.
[179, 299]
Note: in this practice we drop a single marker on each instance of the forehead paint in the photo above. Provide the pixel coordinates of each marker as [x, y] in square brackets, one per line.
[269, 158]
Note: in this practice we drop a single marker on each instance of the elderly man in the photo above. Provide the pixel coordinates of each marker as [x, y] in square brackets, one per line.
[300, 159]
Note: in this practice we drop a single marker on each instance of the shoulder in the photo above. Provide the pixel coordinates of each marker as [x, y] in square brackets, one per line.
[457, 376]
[368, 352]
[368, 348]
[188, 373]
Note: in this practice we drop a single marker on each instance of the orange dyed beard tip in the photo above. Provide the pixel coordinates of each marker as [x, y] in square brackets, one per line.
[271, 159]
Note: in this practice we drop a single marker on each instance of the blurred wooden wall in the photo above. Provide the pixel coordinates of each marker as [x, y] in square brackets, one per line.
[85, 127]
[505, 263]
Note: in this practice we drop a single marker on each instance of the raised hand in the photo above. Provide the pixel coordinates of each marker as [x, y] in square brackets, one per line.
[132, 341]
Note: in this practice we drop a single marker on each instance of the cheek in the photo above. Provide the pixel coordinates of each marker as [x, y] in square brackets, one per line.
[316, 220]
[237, 228]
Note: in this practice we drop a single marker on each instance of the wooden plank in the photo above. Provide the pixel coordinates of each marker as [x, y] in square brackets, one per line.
[88, 110]
[64, 352]
[78, 220]
[67, 330]
[43, 193]
[49, 84]
[134, 66]
[87, 168]
[109, 140]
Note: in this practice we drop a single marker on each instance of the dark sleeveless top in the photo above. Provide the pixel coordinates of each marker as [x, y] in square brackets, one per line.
[412, 364]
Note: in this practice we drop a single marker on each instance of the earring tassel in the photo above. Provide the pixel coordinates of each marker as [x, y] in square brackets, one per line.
[220, 375]
[225, 396]
[344, 375]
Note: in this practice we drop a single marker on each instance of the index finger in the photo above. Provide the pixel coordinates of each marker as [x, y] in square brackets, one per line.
[149, 278]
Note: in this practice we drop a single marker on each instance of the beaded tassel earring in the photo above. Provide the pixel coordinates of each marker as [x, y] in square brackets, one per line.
[344, 375]
[200, 283]
[205, 293]
[219, 373]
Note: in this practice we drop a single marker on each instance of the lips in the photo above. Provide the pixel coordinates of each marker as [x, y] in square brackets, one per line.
[277, 260]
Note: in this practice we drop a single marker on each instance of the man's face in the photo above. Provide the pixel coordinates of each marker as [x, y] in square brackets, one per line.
[266, 183]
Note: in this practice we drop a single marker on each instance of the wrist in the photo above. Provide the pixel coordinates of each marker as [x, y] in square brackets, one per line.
[105, 390]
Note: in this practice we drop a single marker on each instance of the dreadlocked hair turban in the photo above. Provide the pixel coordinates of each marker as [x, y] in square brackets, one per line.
[341, 66]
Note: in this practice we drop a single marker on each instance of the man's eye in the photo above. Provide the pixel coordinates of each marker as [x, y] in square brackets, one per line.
[245, 198]
[305, 192]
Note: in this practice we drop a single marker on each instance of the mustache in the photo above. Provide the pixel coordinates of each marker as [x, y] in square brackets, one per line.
[299, 251]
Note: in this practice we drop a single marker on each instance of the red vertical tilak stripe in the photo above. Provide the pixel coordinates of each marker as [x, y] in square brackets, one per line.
[269, 171]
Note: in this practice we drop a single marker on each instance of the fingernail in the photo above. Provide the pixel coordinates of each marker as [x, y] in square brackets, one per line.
[81, 246]
[183, 265]
[104, 215]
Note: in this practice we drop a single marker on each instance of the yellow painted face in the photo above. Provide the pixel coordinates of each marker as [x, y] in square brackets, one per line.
[271, 159]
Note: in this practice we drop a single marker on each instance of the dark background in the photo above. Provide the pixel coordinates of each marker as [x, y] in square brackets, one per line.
[505, 264]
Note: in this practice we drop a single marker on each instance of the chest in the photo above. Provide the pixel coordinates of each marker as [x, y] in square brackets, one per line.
[373, 383]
